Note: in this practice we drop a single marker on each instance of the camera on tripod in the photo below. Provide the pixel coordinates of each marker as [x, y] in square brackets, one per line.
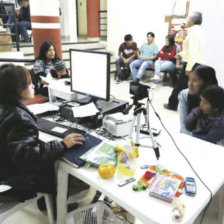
[139, 91]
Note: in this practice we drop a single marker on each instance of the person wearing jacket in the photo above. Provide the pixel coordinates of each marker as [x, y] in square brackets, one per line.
[166, 61]
[24, 21]
[26, 163]
[206, 122]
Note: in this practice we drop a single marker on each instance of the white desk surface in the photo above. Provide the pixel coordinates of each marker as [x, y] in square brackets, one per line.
[206, 158]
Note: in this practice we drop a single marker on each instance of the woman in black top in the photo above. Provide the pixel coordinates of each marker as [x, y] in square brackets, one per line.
[26, 164]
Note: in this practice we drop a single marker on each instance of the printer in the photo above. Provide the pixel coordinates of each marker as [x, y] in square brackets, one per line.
[95, 121]
[117, 124]
[58, 88]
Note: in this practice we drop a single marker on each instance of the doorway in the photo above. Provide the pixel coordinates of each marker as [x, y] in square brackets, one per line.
[81, 18]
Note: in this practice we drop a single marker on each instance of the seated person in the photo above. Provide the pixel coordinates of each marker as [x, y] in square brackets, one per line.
[148, 53]
[127, 54]
[200, 77]
[43, 64]
[24, 21]
[166, 61]
[3, 14]
[59, 70]
[26, 163]
[207, 121]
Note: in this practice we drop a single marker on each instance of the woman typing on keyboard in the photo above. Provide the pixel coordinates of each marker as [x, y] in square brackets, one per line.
[26, 164]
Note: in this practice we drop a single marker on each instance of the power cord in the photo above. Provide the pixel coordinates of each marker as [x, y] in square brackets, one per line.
[186, 160]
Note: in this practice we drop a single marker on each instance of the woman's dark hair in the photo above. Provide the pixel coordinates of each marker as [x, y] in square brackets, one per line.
[208, 76]
[44, 48]
[128, 37]
[170, 39]
[13, 81]
[215, 96]
[170, 47]
[19, 1]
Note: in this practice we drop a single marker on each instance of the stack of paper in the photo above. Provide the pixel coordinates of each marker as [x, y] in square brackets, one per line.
[85, 111]
[40, 108]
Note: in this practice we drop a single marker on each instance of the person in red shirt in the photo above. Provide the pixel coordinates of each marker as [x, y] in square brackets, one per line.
[127, 54]
[166, 61]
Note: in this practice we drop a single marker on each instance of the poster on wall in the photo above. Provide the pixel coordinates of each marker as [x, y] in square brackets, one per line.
[176, 7]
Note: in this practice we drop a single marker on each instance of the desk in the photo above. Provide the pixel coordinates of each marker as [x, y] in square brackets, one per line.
[206, 158]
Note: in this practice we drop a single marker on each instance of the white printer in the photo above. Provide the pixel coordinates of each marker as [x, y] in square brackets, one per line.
[58, 88]
[117, 124]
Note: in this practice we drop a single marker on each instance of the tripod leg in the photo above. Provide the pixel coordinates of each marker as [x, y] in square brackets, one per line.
[138, 128]
[151, 135]
[154, 144]
[132, 127]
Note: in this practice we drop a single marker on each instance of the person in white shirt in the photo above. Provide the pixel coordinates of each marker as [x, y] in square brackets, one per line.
[190, 55]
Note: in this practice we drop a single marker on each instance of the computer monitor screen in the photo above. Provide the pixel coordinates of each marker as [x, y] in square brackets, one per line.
[90, 73]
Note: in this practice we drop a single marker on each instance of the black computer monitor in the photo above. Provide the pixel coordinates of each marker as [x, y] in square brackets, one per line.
[90, 73]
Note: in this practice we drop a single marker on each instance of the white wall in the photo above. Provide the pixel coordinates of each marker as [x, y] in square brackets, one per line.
[213, 44]
[138, 17]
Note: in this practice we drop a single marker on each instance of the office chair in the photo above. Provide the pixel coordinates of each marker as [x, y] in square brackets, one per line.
[8, 208]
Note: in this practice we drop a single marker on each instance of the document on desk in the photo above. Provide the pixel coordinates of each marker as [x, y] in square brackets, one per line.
[49, 79]
[40, 108]
[85, 111]
[53, 81]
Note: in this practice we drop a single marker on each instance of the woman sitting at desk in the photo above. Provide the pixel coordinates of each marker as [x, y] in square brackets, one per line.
[26, 164]
[48, 63]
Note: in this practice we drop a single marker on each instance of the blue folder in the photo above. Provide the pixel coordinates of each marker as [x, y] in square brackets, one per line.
[73, 154]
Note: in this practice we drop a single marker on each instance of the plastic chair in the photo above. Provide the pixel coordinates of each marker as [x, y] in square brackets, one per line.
[8, 208]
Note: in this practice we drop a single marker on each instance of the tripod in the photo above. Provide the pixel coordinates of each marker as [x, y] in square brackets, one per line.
[138, 110]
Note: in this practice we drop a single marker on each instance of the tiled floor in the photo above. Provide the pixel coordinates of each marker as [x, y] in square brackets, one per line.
[31, 215]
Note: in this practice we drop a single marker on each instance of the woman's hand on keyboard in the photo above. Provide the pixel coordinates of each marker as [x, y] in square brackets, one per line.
[73, 139]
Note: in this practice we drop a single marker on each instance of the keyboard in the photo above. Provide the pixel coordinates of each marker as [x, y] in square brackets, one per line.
[56, 129]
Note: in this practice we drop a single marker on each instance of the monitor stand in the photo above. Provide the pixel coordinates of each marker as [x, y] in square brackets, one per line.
[85, 99]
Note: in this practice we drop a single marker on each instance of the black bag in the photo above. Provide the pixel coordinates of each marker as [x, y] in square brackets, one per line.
[124, 74]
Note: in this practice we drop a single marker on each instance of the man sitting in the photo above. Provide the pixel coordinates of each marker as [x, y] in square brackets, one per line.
[24, 22]
[148, 53]
[127, 53]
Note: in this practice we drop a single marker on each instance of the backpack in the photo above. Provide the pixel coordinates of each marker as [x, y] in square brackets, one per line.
[125, 73]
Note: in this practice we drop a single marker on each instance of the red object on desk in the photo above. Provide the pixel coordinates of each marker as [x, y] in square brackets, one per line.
[148, 175]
